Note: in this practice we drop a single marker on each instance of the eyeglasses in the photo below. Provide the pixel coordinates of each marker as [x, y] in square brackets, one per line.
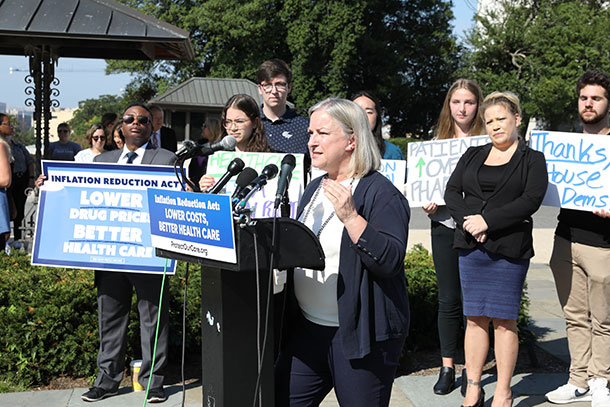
[96, 138]
[143, 120]
[7, 124]
[279, 86]
[239, 123]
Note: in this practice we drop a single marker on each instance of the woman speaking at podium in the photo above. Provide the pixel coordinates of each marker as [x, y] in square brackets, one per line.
[346, 325]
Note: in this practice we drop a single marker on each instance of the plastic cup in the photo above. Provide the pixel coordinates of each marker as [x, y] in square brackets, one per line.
[135, 366]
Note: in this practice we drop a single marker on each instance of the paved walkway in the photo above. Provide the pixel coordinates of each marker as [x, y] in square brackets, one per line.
[409, 391]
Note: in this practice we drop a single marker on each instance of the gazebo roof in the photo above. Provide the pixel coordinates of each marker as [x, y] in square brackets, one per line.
[206, 93]
[89, 29]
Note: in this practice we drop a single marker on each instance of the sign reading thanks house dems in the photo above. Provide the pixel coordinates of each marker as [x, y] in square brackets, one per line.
[579, 169]
[198, 225]
[261, 202]
[95, 216]
[430, 164]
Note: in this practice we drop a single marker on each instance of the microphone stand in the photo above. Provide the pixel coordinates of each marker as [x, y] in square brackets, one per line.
[285, 205]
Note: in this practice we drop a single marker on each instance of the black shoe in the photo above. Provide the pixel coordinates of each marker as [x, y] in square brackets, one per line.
[97, 393]
[446, 381]
[156, 395]
[464, 383]
[480, 402]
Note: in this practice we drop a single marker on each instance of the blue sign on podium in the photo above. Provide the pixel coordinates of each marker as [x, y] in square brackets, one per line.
[193, 224]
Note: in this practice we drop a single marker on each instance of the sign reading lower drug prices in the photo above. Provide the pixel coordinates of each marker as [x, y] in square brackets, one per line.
[198, 225]
[430, 164]
[95, 216]
[262, 201]
[579, 169]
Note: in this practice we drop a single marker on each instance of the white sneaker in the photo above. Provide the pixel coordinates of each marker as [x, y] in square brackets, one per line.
[600, 395]
[568, 393]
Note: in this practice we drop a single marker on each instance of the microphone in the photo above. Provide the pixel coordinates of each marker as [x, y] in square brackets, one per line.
[288, 164]
[269, 172]
[234, 168]
[243, 180]
[228, 143]
[188, 146]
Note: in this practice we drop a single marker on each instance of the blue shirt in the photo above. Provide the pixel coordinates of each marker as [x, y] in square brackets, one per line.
[392, 152]
[63, 152]
[288, 134]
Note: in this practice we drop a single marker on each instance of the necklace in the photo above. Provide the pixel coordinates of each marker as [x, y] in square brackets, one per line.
[313, 200]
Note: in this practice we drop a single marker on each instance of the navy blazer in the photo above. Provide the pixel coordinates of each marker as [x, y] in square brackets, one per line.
[372, 288]
[508, 211]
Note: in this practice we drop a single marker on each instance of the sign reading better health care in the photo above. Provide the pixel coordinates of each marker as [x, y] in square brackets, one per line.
[95, 216]
[261, 202]
[579, 169]
[430, 164]
[198, 225]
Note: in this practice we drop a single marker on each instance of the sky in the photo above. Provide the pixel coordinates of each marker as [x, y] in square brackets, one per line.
[82, 79]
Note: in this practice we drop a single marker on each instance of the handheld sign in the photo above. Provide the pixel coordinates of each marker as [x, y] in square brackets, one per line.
[193, 224]
[95, 216]
[394, 170]
[261, 202]
[579, 169]
[430, 164]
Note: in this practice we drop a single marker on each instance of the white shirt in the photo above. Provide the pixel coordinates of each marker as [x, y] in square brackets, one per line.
[138, 160]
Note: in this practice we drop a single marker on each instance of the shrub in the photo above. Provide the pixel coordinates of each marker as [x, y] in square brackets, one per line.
[48, 320]
[403, 142]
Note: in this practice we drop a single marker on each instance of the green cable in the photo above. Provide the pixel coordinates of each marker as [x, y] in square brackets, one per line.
[152, 367]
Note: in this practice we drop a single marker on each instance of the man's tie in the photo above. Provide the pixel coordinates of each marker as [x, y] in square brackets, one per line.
[154, 139]
[131, 156]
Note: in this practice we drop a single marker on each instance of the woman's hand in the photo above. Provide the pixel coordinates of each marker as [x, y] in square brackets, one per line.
[343, 203]
[430, 208]
[205, 182]
[475, 225]
[480, 237]
[40, 180]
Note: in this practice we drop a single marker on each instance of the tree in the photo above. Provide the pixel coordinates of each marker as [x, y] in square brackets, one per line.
[90, 111]
[539, 50]
[401, 50]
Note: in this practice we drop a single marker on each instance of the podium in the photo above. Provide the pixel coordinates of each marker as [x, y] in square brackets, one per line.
[237, 305]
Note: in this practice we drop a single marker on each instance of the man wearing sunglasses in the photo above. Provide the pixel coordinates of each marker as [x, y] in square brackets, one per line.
[114, 289]
[286, 130]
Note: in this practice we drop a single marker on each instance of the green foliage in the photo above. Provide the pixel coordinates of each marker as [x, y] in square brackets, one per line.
[403, 51]
[403, 143]
[48, 320]
[90, 111]
[523, 48]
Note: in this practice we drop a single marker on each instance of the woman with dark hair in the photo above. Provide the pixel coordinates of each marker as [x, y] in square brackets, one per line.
[117, 137]
[109, 122]
[492, 194]
[96, 137]
[241, 119]
[460, 117]
[371, 107]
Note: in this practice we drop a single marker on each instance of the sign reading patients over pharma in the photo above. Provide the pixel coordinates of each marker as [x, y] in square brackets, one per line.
[430, 164]
[262, 201]
[95, 216]
[394, 170]
[198, 225]
[579, 169]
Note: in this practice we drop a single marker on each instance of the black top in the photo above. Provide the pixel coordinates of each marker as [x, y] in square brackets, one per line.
[583, 227]
[489, 175]
[508, 210]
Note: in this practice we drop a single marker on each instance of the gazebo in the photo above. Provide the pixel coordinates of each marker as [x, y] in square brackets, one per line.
[45, 30]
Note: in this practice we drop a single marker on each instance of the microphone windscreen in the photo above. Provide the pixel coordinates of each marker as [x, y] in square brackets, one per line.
[290, 160]
[246, 177]
[228, 143]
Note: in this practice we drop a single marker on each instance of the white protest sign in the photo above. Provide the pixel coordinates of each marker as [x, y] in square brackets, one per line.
[579, 169]
[261, 202]
[430, 164]
[394, 170]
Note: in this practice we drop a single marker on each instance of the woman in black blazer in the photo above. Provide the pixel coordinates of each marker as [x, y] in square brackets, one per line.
[491, 195]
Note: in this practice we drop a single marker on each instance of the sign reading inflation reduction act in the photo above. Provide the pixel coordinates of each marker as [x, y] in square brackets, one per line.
[96, 216]
[199, 225]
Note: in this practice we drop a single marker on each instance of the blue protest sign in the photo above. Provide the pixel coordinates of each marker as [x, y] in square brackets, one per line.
[95, 216]
[198, 225]
[579, 169]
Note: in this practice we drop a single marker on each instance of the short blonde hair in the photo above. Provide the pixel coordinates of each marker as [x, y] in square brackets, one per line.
[353, 121]
[507, 99]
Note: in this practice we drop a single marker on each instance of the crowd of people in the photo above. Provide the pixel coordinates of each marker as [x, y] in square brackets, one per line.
[345, 326]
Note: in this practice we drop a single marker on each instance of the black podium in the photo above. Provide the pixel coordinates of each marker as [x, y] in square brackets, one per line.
[233, 326]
